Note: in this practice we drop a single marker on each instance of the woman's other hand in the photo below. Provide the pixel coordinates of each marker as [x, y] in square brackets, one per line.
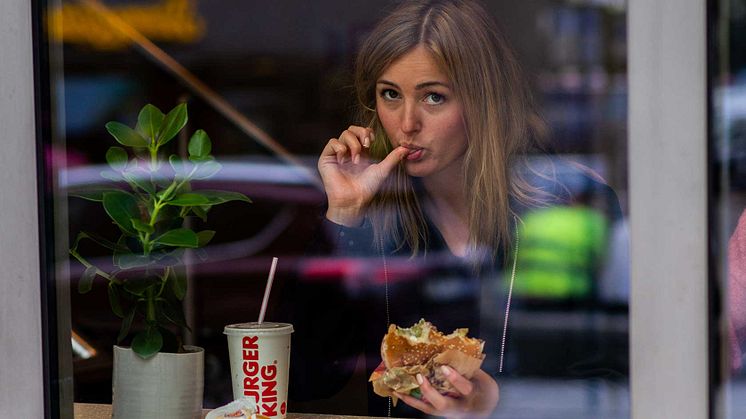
[478, 396]
[350, 179]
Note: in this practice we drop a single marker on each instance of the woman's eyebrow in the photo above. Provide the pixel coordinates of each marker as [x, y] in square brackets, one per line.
[389, 83]
[430, 84]
[420, 86]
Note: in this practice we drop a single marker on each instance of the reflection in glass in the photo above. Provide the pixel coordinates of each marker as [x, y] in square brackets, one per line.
[728, 145]
[293, 82]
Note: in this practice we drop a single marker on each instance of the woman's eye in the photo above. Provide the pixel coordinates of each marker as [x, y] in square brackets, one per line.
[434, 99]
[389, 94]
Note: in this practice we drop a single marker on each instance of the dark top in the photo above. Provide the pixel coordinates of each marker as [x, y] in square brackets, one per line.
[341, 312]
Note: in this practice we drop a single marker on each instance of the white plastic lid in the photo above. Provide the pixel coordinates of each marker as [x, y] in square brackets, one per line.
[254, 328]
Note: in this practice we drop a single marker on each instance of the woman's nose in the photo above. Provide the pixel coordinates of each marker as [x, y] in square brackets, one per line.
[410, 120]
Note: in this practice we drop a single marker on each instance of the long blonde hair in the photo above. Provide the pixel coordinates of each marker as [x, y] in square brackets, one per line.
[499, 117]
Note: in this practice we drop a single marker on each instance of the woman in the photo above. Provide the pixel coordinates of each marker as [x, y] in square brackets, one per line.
[435, 163]
[470, 121]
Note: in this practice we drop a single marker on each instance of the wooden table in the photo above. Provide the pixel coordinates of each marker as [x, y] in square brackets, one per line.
[103, 411]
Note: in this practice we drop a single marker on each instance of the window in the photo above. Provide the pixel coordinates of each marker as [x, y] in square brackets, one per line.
[270, 92]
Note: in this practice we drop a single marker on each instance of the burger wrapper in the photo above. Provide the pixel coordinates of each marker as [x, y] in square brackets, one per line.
[243, 408]
[465, 365]
[403, 379]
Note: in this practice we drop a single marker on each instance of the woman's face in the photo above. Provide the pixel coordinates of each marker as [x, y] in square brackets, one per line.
[419, 110]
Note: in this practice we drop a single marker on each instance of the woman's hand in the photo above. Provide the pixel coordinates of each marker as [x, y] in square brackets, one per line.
[478, 396]
[350, 179]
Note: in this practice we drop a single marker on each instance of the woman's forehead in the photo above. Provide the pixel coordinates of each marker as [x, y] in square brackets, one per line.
[415, 67]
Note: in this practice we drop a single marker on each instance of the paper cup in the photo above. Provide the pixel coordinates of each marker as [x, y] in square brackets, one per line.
[260, 362]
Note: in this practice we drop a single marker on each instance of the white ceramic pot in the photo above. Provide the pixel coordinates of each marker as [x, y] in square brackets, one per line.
[166, 386]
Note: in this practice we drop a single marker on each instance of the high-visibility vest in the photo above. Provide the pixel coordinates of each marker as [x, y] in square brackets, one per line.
[560, 252]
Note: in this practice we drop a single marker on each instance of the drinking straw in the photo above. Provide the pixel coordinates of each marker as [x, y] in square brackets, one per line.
[267, 289]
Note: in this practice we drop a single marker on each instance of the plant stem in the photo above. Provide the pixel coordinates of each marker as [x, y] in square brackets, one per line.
[146, 244]
[150, 306]
[159, 203]
[154, 159]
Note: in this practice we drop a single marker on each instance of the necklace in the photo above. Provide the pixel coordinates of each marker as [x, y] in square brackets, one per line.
[510, 296]
[507, 303]
[386, 294]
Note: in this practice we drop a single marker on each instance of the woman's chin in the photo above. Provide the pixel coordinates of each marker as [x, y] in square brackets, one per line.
[417, 169]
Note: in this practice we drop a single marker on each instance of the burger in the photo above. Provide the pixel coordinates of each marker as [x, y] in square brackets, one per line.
[422, 349]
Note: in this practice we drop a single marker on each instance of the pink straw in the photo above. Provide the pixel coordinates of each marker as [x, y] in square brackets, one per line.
[271, 278]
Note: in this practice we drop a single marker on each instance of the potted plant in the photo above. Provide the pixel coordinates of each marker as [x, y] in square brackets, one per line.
[156, 376]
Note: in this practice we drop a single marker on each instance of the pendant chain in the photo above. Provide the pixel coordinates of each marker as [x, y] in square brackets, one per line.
[386, 294]
[510, 296]
[507, 304]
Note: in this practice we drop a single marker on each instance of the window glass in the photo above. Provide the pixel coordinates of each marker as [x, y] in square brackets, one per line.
[528, 251]
[728, 226]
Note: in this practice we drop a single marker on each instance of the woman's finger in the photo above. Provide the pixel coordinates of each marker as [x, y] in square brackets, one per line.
[339, 149]
[354, 143]
[330, 148]
[439, 401]
[363, 133]
[392, 160]
[460, 383]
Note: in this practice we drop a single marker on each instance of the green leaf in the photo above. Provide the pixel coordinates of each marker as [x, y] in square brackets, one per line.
[168, 219]
[169, 257]
[160, 180]
[185, 187]
[116, 305]
[179, 166]
[126, 324]
[140, 182]
[141, 179]
[220, 197]
[125, 135]
[199, 144]
[189, 199]
[131, 260]
[137, 286]
[121, 207]
[168, 193]
[148, 342]
[178, 284]
[86, 280]
[129, 244]
[93, 194]
[117, 158]
[206, 169]
[174, 313]
[101, 241]
[140, 226]
[205, 236]
[182, 237]
[198, 159]
[149, 121]
[113, 176]
[172, 124]
[201, 212]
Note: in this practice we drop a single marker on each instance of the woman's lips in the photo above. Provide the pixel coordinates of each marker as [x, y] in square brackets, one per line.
[414, 154]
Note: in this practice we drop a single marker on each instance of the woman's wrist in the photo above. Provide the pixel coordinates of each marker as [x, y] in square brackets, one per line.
[348, 217]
